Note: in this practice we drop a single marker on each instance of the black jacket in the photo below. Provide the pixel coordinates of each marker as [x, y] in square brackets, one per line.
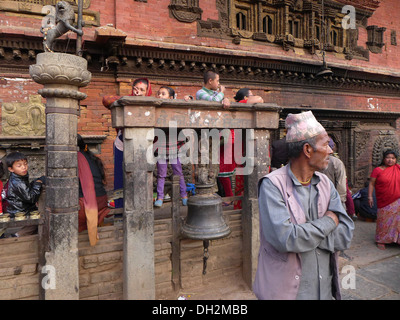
[19, 195]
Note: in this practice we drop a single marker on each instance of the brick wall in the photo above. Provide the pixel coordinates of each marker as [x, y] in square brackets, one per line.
[19, 274]
[101, 268]
[150, 23]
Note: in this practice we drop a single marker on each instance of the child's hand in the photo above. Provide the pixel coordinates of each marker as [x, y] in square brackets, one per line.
[42, 179]
[226, 103]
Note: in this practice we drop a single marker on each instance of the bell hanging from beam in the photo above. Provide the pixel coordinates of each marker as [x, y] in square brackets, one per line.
[205, 220]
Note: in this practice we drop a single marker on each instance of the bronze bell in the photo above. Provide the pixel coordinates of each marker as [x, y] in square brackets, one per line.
[205, 220]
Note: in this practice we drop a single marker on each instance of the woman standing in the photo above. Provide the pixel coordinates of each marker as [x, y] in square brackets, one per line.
[92, 194]
[140, 87]
[243, 95]
[385, 179]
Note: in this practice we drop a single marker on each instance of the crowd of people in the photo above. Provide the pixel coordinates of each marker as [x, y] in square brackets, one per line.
[306, 207]
[167, 151]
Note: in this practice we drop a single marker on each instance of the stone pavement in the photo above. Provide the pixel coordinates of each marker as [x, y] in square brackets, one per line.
[368, 274]
[377, 272]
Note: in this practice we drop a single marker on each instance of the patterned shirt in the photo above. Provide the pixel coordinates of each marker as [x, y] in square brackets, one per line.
[209, 95]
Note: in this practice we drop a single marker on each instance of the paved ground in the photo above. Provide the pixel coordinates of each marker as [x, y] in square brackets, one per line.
[368, 274]
[377, 271]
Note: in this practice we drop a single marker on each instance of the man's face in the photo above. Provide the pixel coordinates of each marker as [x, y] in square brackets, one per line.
[214, 84]
[19, 167]
[319, 158]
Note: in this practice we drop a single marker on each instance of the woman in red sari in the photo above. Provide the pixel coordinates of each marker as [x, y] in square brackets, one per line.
[385, 179]
[92, 194]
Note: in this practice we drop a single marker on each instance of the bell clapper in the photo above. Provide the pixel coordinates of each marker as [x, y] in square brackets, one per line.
[205, 255]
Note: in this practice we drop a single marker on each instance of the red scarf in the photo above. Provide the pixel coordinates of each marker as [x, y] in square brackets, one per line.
[89, 198]
[149, 91]
[108, 100]
[387, 185]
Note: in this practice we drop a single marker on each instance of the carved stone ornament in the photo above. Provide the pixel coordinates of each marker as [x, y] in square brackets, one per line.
[362, 140]
[29, 3]
[70, 73]
[64, 20]
[185, 10]
[386, 140]
[24, 118]
[37, 8]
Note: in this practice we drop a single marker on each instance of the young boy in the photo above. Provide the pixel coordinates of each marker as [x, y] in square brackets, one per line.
[212, 89]
[19, 197]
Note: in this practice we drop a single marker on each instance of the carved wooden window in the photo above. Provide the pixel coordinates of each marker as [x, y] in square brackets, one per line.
[294, 23]
[375, 38]
[290, 23]
[334, 38]
[318, 32]
[295, 27]
[242, 14]
[241, 21]
[267, 24]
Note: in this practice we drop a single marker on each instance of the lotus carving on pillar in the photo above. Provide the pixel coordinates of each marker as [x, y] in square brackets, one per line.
[60, 74]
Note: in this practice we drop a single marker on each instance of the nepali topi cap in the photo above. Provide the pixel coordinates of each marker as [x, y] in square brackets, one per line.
[302, 126]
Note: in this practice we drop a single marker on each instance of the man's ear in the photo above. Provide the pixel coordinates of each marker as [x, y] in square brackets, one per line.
[307, 150]
[10, 169]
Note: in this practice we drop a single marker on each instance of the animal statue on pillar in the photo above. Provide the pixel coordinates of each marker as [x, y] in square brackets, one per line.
[64, 19]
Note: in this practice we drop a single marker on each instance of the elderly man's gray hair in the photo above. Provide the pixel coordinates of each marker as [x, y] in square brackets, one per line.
[296, 148]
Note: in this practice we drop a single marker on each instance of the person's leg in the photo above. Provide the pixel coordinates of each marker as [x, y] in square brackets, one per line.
[227, 185]
[162, 167]
[118, 175]
[177, 170]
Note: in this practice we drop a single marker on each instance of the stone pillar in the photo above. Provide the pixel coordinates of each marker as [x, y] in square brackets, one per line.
[138, 247]
[250, 214]
[62, 75]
